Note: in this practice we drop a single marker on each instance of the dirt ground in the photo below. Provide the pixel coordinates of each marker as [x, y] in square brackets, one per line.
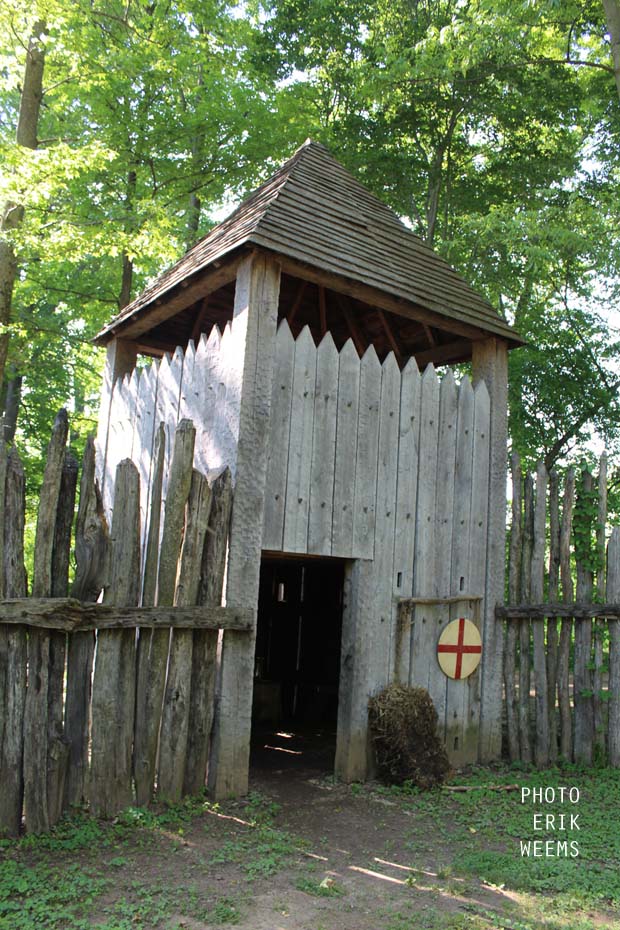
[358, 860]
[302, 852]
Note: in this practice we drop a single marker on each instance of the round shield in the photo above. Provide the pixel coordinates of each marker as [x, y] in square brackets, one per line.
[459, 649]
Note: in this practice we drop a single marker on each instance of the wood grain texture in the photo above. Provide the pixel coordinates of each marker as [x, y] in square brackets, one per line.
[582, 681]
[279, 433]
[13, 573]
[202, 694]
[70, 615]
[525, 738]
[381, 625]
[613, 594]
[541, 750]
[553, 594]
[154, 680]
[254, 329]
[300, 445]
[424, 559]
[598, 633]
[176, 707]
[366, 456]
[457, 709]
[566, 581]
[91, 545]
[313, 213]
[36, 710]
[323, 449]
[406, 503]
[444, 517]
[112, 704]
[490, 364]
[57, 743]
[478, 556]
[347, 432]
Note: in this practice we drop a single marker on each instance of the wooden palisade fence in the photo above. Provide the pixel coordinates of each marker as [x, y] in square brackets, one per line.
[108, 703]
[562, 621]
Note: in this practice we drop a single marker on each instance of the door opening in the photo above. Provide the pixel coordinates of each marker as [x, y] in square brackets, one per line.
[297, 664]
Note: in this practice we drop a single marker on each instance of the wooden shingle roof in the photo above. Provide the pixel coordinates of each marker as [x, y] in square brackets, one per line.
[312, 210]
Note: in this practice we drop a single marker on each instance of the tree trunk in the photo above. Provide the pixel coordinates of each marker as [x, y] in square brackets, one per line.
[193, 219]
[127, 272]
[12, 398]
[612, 15]
[12, 214]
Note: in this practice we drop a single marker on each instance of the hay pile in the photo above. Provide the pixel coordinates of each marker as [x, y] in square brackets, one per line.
[403, 723]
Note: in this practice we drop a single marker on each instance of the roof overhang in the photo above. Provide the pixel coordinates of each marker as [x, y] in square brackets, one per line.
[147, 315]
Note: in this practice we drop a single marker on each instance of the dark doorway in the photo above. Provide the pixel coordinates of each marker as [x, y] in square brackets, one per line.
[297, 663]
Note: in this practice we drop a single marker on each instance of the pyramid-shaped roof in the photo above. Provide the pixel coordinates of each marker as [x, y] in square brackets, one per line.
[312, 210]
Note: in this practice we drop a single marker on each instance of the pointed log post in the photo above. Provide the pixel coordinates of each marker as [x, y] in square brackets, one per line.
[120, 361]
[613, 593]
[36, 709]
[114, 676]
[204, 654]
[490, 364]
[254, 337]
[13, 578]
[91, 542]
[58, 745]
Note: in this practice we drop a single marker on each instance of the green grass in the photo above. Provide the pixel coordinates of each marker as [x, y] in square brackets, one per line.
[486, 827]
[318, 889]
[32, 896]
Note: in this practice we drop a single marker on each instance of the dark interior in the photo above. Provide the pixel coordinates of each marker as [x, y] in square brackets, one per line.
[297, 663]
[303, 303]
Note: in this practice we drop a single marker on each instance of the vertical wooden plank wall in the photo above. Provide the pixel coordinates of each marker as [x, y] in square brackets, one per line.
[189, 384]
[363, 462]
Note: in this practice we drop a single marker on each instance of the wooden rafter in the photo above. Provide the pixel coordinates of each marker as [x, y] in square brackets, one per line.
[354, 331]
[183, 295]
[297, 303]
[197, 328]
[387, 329]
[429, 334]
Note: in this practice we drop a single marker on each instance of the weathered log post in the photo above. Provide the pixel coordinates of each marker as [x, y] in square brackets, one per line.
[250, 384]
[121, 355]
[490, 364]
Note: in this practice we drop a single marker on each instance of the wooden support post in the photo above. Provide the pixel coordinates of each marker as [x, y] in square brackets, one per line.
[13, 584]
[120, 361]
[353, 741]
[514, 591]
[254, 336]
[490, 364]
[613, 594]
[541, 751]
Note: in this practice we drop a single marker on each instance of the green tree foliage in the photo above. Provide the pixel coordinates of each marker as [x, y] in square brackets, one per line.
[491, 126]
[145, 126]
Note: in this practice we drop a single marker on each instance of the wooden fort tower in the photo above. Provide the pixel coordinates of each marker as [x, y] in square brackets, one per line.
[301, 336]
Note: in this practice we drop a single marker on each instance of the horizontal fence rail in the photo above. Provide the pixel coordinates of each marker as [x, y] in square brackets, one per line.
[562, 622]
[109, 703]
[71, 616]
